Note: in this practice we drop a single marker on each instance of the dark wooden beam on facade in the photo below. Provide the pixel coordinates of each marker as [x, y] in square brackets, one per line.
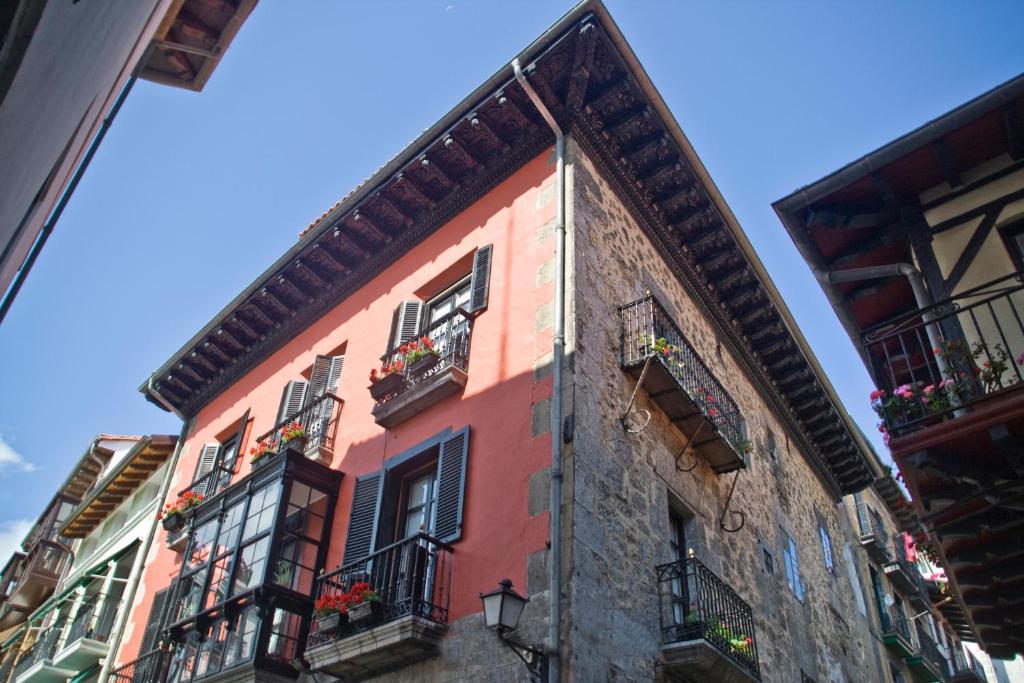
[583, 60]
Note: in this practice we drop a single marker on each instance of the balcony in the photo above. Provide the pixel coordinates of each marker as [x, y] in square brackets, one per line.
[896, 633]
[928, 665]
[414, 387]
[86, 640]
[657, 354]
[967, 668]
[412, 579]
[958, 445]
[707, 630]
[149, 668]
[873, 535]
[903, 574]
[36, 665]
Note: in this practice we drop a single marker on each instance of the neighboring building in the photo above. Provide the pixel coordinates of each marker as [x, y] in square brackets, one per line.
[919, 247]
[65, 68]
[696, 453]
[102, 527]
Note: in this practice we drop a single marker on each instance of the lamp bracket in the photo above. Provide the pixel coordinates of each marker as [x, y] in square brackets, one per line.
[534, 656]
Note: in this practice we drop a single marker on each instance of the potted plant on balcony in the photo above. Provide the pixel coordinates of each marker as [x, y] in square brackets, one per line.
[363, 603]
[293, 436]
[172, 516]
[420, 356]
[331, 613]
[389, 382]
[261, 454]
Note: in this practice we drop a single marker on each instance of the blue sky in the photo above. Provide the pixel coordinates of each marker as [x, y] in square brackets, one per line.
[192, 195]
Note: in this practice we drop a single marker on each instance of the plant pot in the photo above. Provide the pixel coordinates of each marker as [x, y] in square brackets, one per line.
[365, 612]
[262, 461]
[423, 364]
[298, 444]
[332, 623]
[174, 522]
[386, 386]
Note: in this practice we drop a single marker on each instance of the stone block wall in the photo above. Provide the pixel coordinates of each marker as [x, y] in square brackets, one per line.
[622, 486]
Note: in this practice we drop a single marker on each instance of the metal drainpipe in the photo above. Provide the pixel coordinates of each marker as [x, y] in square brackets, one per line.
[921, 295]
[140, 560]
[558, 339]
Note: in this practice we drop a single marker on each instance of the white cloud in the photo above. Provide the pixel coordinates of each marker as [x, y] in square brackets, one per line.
[11, 535]
[11, 460]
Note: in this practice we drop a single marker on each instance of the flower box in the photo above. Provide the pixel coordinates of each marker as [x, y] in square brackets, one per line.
[298, 444]
[262, 461]
[331, 623]
[173, 522]
[423, 365]
[366, 612]
[386, 386]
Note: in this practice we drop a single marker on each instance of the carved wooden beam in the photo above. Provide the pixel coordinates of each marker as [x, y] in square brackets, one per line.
[413, 188]
[363, 222]
[223, 336]
[211, 348]
[330, 258]
[478, 123]
[582, 62]
[459, 150]
[202, 362]
[304, 270]
[245, 327]
[292, 289]
[346, 242]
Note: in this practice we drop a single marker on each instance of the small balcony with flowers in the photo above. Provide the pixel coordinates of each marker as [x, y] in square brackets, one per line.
[950, 397]
[707, 629]
[904, 575]
[666, 366]
[423, 369]
[383, 611]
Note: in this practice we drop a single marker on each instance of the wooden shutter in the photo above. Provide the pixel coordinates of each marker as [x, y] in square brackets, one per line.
[149, 636]
[480, 283]
[451, 486]
[207, 459]
[324, 378]
[405, 324]
[243, 431]
[362, 522]
[292, 399]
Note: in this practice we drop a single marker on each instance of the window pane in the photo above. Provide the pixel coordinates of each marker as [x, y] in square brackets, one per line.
[295, 565]
[251, 561]
[190, 594]
[228, 538]
[183, 662]
[284, 635]
[218, 591]
[261, 511]
[202, 542]
[240, 640]
[211, 651]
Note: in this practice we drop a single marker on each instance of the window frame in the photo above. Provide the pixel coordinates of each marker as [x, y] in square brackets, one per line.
[232, 607]
[826, 549]
[791, 561]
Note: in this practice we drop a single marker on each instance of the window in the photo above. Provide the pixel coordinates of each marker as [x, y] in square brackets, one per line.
[677, 542]
[826, 548]
[768, 561]
[789, 555]
[773, 447]
[419, 490]
[264, 545]
[219, 461]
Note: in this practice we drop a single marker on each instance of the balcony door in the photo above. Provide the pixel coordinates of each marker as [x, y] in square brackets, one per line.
[677, 542]
[447, 334]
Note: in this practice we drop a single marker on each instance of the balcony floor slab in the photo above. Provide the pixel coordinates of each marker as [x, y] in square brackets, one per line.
[379, 649]
[420, 396]
[700, 661]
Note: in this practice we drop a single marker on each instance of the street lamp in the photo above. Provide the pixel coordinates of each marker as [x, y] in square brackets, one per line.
[502, 609]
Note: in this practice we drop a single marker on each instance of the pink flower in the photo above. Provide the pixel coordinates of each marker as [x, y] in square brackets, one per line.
[1020, 359]
[877, 394]
[928, 390]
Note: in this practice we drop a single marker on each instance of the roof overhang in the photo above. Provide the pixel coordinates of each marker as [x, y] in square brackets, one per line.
[192, 39]
[866, 213]
[134, 468]
[587, 75]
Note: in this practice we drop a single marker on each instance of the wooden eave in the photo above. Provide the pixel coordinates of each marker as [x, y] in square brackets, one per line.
[869, 212]
[192, 39]
[589, 78]
[145, 458]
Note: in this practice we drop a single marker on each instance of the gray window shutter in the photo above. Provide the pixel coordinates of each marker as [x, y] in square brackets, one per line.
[324, 378]
[239, 443]
[291, 401]
[480, 283]
[405, 324]
[451, 486]
[149, 636]
[362, 523]
[207, 459]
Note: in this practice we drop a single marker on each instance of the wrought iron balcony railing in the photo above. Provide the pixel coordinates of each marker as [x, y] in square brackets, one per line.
[94, 619]
[149, 668]
[410, 577]
[895, 622]
[964, 662]
[650, 334]
[935, 363]
[450, 336]
[46, 645]
[930, 655]
[319, 420]
[697, 605]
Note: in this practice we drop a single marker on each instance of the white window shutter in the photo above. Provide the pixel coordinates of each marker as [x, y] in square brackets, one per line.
[324, 378]
[207, 459]
[292, 399]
